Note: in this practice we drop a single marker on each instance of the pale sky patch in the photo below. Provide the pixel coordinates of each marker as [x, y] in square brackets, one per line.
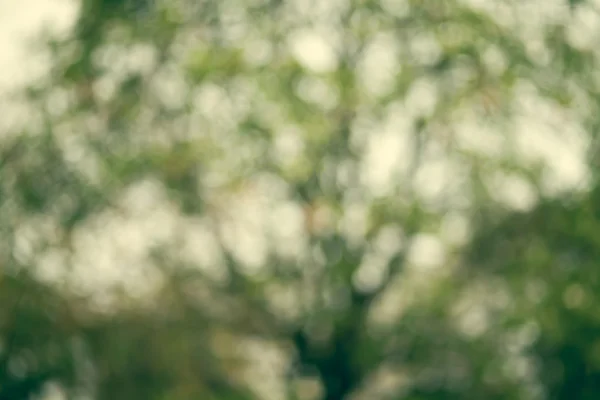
[313, 51]
[20, 21]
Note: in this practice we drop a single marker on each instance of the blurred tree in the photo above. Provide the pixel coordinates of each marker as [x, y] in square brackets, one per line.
[233, 200]
[548, 259]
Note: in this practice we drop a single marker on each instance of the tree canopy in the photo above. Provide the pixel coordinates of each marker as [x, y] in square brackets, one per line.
[328, 200]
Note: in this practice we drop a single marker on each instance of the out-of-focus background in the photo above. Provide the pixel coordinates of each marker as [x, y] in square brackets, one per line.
[303, 200]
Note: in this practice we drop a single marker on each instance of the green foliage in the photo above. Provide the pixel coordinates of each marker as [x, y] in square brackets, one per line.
[352, 193]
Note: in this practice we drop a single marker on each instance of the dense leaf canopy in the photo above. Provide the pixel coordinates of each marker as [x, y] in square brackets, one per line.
[349, 199]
